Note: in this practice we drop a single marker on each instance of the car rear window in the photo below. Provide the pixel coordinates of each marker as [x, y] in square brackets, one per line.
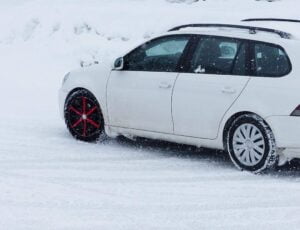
[270, 61]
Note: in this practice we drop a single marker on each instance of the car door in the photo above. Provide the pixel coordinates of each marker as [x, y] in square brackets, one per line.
[215, 76]
[139, 95]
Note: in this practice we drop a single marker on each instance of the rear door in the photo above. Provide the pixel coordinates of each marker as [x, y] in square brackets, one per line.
[216, 73]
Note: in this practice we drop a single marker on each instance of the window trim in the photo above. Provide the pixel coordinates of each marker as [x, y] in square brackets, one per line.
[184, 63]
[179, 64]
[252, 44]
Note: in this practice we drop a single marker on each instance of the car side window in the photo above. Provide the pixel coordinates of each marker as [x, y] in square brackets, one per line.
[217, 55]
[160, 55]
[270, 61]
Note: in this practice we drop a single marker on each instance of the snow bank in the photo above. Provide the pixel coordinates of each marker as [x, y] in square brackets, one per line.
[94, 29]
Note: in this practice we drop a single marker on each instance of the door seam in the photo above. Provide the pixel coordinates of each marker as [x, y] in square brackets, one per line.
[106, 97]
[173, 124]
[231, 107]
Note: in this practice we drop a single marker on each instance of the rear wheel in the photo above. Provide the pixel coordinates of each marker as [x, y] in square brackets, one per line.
[251, 144]
[83, 116]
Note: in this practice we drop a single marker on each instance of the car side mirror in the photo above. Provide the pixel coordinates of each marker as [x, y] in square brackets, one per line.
[118, 64]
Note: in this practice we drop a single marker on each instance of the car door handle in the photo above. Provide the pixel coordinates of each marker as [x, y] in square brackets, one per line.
[228, 90]
[165, 85]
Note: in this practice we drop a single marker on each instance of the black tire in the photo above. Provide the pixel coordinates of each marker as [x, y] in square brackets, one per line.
[83, 116]
[245, 155]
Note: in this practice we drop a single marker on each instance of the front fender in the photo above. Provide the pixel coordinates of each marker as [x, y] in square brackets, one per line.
[93, 79]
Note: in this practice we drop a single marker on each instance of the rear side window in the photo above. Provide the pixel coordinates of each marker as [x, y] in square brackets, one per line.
[270, 61]
[218, 55]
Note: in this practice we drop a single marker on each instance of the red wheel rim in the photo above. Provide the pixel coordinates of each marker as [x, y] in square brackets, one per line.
[84, 116]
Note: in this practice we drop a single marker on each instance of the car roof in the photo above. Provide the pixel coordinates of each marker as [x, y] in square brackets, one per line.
[293, 43]
[286, 26]
[290, 29]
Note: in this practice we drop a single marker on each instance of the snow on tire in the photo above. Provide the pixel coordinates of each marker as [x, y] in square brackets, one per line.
[251, 144]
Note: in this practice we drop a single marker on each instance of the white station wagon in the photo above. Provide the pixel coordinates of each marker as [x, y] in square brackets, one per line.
[229, 87]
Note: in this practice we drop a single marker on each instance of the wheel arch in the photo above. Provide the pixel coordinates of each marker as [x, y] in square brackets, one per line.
[90, 91]
[231, 119]
[77, 89]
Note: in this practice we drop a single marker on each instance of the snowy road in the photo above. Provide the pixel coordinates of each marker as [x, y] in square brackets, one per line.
[50, 181]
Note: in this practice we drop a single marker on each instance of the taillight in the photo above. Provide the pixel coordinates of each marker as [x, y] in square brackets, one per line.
[296, 112]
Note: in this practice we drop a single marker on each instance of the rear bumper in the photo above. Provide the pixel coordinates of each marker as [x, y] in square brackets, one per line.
[291, 153]
[286, 130]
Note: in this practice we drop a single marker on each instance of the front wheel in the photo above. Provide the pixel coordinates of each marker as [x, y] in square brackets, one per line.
[83, 116]
[251, 144]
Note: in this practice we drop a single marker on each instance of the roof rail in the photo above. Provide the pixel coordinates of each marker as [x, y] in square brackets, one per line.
[252, 29]
[270, 20]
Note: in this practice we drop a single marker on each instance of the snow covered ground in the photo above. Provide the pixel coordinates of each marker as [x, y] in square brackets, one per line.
[50, 181]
